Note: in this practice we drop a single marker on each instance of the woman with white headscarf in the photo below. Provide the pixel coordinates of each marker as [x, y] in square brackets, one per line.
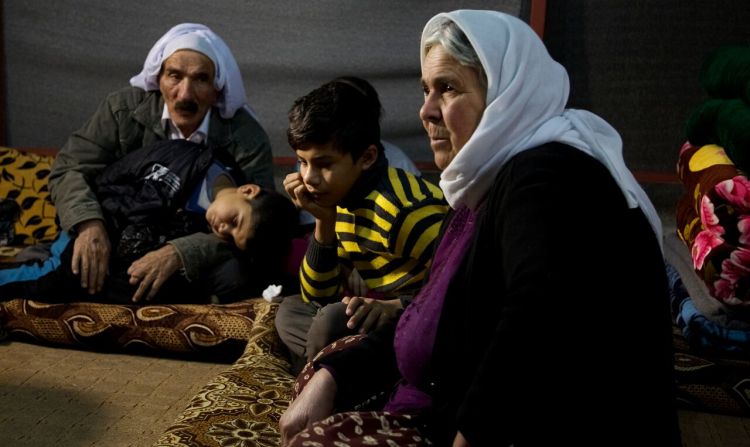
[551, 245]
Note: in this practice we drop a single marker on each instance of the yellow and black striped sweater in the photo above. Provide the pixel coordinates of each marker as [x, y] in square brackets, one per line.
[388, 237]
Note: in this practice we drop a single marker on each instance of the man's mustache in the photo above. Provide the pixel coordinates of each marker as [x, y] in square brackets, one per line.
[186, 106]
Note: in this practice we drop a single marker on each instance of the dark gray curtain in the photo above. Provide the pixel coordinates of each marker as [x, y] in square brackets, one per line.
[636, 64]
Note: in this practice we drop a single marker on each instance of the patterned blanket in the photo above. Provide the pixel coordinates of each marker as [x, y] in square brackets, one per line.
[713, 219]
[242, 405]
[210, 332]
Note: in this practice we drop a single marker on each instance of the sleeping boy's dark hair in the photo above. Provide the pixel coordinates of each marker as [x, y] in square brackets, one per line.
[275, 221]
[345, 112]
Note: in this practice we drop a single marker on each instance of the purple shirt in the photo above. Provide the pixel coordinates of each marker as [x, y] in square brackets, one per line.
[417, 327]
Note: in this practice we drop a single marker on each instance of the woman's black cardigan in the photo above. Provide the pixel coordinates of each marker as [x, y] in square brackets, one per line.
[556, 328]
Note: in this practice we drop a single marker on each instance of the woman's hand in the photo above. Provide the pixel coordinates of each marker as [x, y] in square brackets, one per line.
[91, 251]
[314, 403]
[369, 313]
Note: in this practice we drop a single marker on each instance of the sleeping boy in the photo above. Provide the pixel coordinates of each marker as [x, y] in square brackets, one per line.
[151, 199]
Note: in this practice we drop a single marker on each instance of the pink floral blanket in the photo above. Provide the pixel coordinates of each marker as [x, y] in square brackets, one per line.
[713, 219]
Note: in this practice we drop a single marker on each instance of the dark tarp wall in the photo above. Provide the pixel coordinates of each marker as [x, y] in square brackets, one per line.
[64, 56]
[636, 64]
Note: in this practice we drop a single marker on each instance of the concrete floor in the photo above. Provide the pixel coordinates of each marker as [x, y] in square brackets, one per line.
[67, 397]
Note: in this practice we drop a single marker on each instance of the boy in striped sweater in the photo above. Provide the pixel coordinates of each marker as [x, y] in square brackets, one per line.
[375, 225]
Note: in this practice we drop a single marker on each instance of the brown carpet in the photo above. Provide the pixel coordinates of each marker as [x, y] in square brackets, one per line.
[65, 397]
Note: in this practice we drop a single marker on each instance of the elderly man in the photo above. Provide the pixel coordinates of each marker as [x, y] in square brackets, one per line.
[190, 88]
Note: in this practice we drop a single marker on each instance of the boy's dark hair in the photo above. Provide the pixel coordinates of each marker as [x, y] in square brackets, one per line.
[275, 221]
[345, 112]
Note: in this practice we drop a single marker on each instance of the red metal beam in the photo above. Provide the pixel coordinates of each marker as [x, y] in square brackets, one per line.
[537, 15]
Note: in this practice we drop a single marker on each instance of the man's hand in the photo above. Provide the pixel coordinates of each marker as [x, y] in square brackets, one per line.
[91, 251]
[302, 198]
[152, 270]
[314, 403]
[368, 313]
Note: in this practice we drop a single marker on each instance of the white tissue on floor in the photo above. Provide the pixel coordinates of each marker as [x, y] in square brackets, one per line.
[272, 294]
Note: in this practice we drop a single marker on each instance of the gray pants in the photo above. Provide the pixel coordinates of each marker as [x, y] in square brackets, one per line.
[306, 328]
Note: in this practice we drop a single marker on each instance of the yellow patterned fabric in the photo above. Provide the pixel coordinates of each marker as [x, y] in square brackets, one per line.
[242, 405]
[23, 178]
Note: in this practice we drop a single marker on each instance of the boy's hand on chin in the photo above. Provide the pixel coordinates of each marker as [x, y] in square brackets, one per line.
[322, 213]
[302, 198]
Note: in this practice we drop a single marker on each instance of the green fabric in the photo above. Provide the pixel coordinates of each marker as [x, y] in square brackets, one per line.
[733, 132]
[725, 123]
[701, 124]
[726, 72]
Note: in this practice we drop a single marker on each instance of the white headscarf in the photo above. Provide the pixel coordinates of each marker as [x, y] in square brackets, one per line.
[197, 37]
[526, 96]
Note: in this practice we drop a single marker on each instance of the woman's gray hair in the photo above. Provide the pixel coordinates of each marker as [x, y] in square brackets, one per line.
[446, 33]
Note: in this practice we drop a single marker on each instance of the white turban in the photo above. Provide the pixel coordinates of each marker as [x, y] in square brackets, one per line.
[526, 96]
[197, 37]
